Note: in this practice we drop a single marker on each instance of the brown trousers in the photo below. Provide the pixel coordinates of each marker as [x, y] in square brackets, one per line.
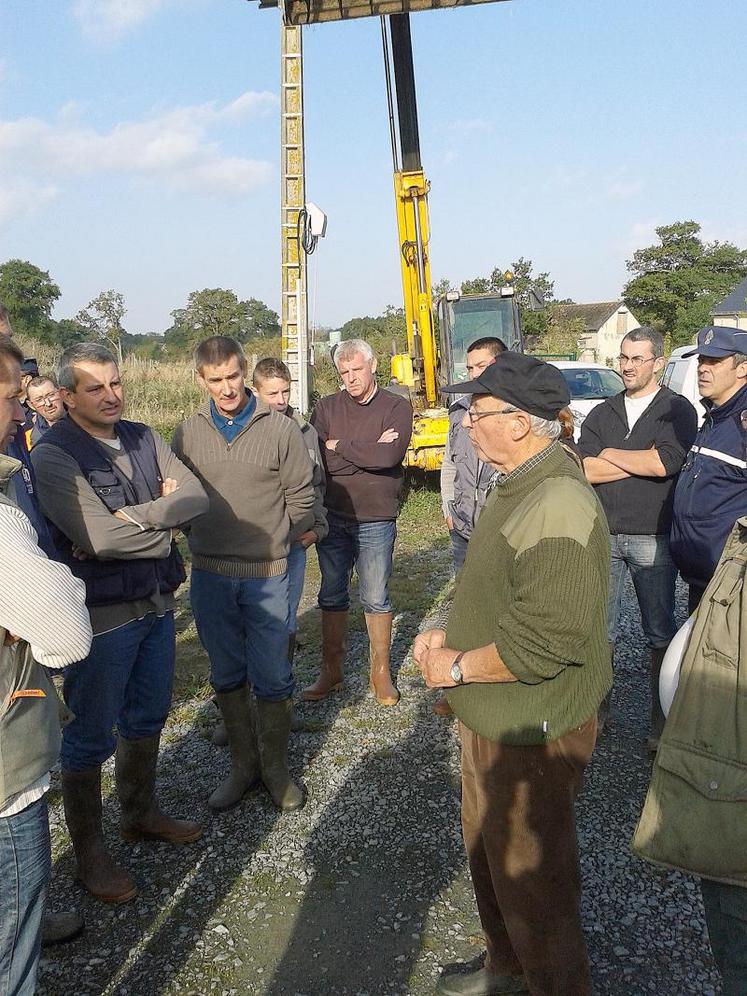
[520, 833]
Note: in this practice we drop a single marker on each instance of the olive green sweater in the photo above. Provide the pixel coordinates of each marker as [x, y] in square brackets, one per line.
[535, 584]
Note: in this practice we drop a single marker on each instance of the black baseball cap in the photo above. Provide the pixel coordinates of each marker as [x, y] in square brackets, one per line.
[719, 340]
[30, 366]
[524, 381]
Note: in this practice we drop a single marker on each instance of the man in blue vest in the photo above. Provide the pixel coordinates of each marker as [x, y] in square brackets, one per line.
[114, 492]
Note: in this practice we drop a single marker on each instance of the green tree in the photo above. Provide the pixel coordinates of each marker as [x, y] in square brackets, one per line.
[560, 335]
[28, 294]
[64, 333]
[533, 293]
[102, 320]
[215, 311]
[440, 288]
[260, 320]
[677, 282]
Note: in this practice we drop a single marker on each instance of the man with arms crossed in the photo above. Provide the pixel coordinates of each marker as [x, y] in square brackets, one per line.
[114, 493]
[524, 656]
[256, 470]
[633, 446]
[364, 434]
[56, 623]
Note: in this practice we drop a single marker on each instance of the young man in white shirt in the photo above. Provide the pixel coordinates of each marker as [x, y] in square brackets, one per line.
[633, 446]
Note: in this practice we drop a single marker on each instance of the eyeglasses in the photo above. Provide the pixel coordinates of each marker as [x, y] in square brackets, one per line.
[49, 399]
[637, 361]
[474, 416]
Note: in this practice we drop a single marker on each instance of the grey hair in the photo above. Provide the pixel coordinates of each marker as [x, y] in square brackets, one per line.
[646, 334]
[347, 349]
[81, 352]
[545, 428]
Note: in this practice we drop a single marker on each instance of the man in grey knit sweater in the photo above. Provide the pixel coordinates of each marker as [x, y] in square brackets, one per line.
[255, 468]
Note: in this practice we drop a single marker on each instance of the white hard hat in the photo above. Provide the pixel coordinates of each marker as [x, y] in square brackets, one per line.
[670, 668]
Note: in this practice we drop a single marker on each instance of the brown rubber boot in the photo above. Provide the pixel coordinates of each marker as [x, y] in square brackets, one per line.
[96, 872]
[379, 626]
[273, 730]
[334, 631]
[236, 709]
[142, 818]
[657, 715]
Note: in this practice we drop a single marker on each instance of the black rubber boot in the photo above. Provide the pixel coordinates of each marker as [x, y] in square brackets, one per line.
[142, 819]
[96, 871]
[273, 730]
[237, 712]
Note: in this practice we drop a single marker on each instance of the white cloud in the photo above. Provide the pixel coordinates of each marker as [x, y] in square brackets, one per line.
[471, 125]
[641, 233]
[621, 190]
[23, 197]
[109, 20]
[174, 148]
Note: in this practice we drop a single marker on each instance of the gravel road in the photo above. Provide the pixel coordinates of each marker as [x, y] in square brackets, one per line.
[366, 890]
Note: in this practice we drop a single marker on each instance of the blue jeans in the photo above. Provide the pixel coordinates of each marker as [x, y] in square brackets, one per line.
[654, 575]
[296, 572]
[726, 917]
[458, 550]
[25, 868]
[125, 682]
[243, 625]
[367, 546]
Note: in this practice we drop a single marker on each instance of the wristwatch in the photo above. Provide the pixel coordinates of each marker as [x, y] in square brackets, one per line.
[456, 670]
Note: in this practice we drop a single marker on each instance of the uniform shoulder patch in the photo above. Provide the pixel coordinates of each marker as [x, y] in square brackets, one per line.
[558, 508]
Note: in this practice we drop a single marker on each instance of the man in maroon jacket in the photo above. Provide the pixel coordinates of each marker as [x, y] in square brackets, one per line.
[364, 433]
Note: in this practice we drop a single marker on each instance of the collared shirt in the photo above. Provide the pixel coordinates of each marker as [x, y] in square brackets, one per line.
[229, 428]
[524, 468]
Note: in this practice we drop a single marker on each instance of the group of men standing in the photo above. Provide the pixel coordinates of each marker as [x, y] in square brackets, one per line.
[530, 671]
[245, 480]
[542, 539]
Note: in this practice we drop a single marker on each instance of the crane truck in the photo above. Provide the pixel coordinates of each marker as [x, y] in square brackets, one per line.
[431, 360]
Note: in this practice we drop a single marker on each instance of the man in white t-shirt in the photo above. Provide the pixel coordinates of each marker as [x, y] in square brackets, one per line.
[633, 446]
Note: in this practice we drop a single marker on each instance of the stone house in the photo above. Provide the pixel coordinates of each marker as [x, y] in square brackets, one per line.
[732, 311]
[606, 323]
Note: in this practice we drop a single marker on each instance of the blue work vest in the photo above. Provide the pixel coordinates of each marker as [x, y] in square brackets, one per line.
[111, 581]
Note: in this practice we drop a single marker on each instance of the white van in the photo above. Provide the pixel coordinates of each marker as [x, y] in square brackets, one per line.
[681, 376]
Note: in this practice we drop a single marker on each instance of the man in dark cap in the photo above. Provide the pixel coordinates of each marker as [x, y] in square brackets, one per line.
[711, 491]
[524, 658]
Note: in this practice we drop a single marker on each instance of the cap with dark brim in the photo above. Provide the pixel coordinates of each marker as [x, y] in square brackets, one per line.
[719, 340]
[524, 381]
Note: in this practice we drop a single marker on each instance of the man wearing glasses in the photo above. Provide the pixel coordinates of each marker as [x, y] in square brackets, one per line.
[633, 446]
[524, 660]
[43, 397]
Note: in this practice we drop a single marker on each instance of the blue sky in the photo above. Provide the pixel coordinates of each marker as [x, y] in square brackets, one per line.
[139, 144]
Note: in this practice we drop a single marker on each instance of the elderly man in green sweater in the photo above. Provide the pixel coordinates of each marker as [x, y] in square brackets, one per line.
[525, 660]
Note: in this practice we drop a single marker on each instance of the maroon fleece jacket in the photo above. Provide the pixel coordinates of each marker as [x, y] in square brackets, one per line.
[364, 476]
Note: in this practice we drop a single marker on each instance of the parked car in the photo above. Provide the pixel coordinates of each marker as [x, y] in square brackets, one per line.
[681, 376]
[589, 385]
